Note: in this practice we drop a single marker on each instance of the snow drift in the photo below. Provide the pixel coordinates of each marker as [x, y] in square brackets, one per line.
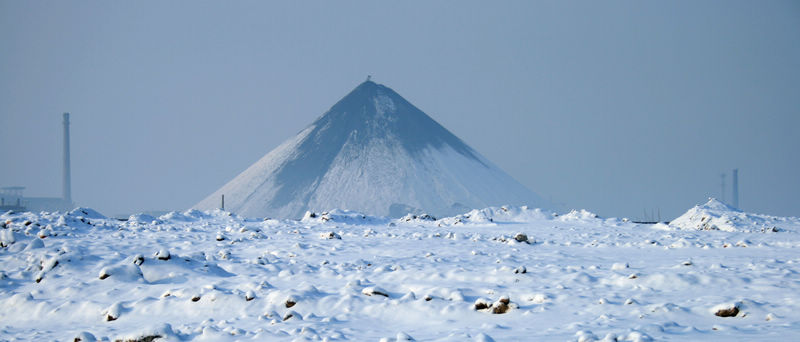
[500, 273]
[715, 215]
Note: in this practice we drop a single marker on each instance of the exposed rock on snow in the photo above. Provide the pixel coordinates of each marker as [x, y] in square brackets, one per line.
[501, 306]
[163, 254]
[127, 273]
[146, 338]
[375, 291]
[482, 304]
[152, 334]
[84, 337]
[418, 218]
[331, 236]
[138, 259]
[401, 336]
[729, 312]
[113, 312]
[726, 310]
[88, 213]
[292, 314]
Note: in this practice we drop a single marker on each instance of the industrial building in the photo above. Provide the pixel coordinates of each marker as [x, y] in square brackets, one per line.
[12, 197]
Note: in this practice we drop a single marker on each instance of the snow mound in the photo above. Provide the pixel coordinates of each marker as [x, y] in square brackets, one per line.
[88, 213]
[474, 217]
[493, 216]
[421, 218]
[376, 153]
[142, 219]
[579, 215]
[190, 215]
[715, 215]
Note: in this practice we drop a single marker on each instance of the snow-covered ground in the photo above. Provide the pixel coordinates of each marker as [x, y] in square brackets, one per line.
[503, 274]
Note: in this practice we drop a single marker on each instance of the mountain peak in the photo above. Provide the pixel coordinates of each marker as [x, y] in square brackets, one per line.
[367, 88]
[715, 204]
[373, 152]
[376, 111]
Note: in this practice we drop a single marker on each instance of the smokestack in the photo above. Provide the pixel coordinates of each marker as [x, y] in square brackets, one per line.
[66, 181]
[736, 188]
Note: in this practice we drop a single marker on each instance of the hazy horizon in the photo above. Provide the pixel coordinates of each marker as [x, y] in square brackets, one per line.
[616, 107]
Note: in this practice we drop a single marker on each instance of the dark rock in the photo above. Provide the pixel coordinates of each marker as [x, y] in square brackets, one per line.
[729, 312]
[149, 338]
[138, 260]
[163, 255]
[482, 306]
[500, 308]
[331, 236]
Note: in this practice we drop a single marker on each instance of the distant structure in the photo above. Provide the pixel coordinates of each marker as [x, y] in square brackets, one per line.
[67, 182]
[735, 199]
[12, 198]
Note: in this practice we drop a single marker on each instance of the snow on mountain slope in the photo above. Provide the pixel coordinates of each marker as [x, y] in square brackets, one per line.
[502, 274]
[376, 153]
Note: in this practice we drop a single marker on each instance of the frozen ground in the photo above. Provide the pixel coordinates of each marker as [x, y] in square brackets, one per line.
[343, 276]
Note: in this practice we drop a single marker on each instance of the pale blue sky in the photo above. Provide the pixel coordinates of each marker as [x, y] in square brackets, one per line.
[617, 107]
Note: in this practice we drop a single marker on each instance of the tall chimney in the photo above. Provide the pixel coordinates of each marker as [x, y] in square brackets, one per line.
[736, 188]
[66, 181]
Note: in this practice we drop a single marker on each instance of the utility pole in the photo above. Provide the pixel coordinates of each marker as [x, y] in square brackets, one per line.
[736, 188]
[67, 191]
